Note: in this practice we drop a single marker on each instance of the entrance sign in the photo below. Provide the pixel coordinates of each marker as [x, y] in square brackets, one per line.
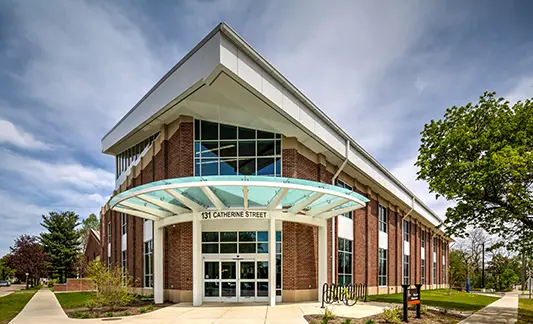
[411, 296]
[229, 214]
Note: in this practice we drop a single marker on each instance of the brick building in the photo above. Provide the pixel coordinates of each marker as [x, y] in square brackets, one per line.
[224, 168]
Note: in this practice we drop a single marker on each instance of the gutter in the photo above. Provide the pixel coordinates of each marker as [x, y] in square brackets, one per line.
[333, 180]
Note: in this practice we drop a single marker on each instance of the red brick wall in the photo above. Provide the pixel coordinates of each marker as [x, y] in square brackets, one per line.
[299, 256]
[360, 241]
[399, 242]
[75, 285]
[372, 262]
[412, 253]
[178, 256]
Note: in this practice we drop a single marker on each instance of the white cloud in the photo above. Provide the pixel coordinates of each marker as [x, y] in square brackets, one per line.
[522, 90]
[406, 173]
[10, 134]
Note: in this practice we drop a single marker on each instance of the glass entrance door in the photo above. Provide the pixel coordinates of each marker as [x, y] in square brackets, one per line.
[236, 280]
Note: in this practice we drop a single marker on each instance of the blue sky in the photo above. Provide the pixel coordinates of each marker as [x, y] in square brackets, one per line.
[381, 69]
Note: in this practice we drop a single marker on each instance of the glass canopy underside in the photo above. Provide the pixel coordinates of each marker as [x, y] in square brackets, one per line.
[177, 196]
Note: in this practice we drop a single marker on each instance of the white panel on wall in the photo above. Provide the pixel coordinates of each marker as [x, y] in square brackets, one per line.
[272, 90]
[383, 240]
[147, 230]
[108, 249]
[345, 227]
[291, 104]
[443, 260]
[435, 256]
[124, 242]
[228, 54]
[406, 248]
[423, 253]
[249, 71]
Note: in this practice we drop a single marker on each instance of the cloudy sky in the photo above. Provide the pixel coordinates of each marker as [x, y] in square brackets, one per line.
[381, 69]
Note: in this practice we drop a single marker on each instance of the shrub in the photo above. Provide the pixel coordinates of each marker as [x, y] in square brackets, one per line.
[423, 310]
[51, 283]
[328, 315]
[108, 314]
[146, 309]
[91, 304]
[391, 315]
[80, 315]
[370, 321]
[112, 286]
[347, 321]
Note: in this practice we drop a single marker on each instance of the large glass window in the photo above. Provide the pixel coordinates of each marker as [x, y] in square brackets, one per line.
[346, 186]
[124, 223]
[406, 270]
[345, 261]
[382, 275]
[127, 157]
[383, 217]
[230, 150]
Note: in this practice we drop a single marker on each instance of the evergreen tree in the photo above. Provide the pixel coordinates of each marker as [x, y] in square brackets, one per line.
[61, 243]
[87, 224]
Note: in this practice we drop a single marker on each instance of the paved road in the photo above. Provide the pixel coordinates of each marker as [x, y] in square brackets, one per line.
[504, 310]
[4, 291]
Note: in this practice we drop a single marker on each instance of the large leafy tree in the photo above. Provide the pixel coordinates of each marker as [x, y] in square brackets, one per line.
[6, 272]
[90, 223]
[61, 242]
[480, 156]
[27, 256]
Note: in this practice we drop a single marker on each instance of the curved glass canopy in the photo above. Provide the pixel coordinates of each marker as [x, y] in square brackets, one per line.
[177, 196]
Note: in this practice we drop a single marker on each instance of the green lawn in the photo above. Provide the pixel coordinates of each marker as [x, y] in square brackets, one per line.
[74, 299]
[440, 298]
[525, 311]
[13, 303]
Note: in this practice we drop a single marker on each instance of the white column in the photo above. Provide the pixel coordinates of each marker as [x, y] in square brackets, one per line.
[322, 258]
[197, 289]
[158, 262]
[272, 260]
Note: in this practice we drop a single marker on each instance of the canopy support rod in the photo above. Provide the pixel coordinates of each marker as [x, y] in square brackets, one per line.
[165, 205]
[339, 211]
[324, 208]
[185, 200]
[213, 198]
[277, 198]
[136, 213]
[148, 210]
[300, 205]
[245, 196]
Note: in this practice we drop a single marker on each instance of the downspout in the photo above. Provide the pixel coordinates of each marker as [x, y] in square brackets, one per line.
[403, 239]
[333, 180]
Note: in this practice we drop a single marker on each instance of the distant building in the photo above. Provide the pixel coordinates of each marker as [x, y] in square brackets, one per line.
[231, 185]
[93, 246]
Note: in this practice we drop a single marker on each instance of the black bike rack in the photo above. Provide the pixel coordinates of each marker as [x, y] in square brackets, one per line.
[347, 294]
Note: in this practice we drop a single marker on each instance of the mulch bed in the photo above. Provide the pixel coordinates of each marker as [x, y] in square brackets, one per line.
[133, 309]
[431, 316]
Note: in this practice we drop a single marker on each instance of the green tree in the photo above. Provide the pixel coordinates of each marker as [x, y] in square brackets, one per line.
[90, 223]
[458, 269]
[61, 243]
[480, 156]
[6, 272]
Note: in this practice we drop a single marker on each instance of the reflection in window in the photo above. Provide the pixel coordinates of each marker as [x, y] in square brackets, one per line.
[345, 261]
[230, 150]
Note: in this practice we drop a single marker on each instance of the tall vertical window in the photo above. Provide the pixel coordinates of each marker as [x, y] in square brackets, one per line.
[406, 270]
[345, 261]
[342, 184]
[230, 150]
[109, 246]
[423, 239]
[434, 272]
[124, 223]
[443, 263]
[382, 271]
[434, 245]
[148, 265]
[423, 270]
[124, 264]
[383, 218]
[406, 231]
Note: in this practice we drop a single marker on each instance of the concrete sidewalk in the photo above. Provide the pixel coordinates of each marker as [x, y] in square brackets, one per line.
[504, 310]
[44, 308]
